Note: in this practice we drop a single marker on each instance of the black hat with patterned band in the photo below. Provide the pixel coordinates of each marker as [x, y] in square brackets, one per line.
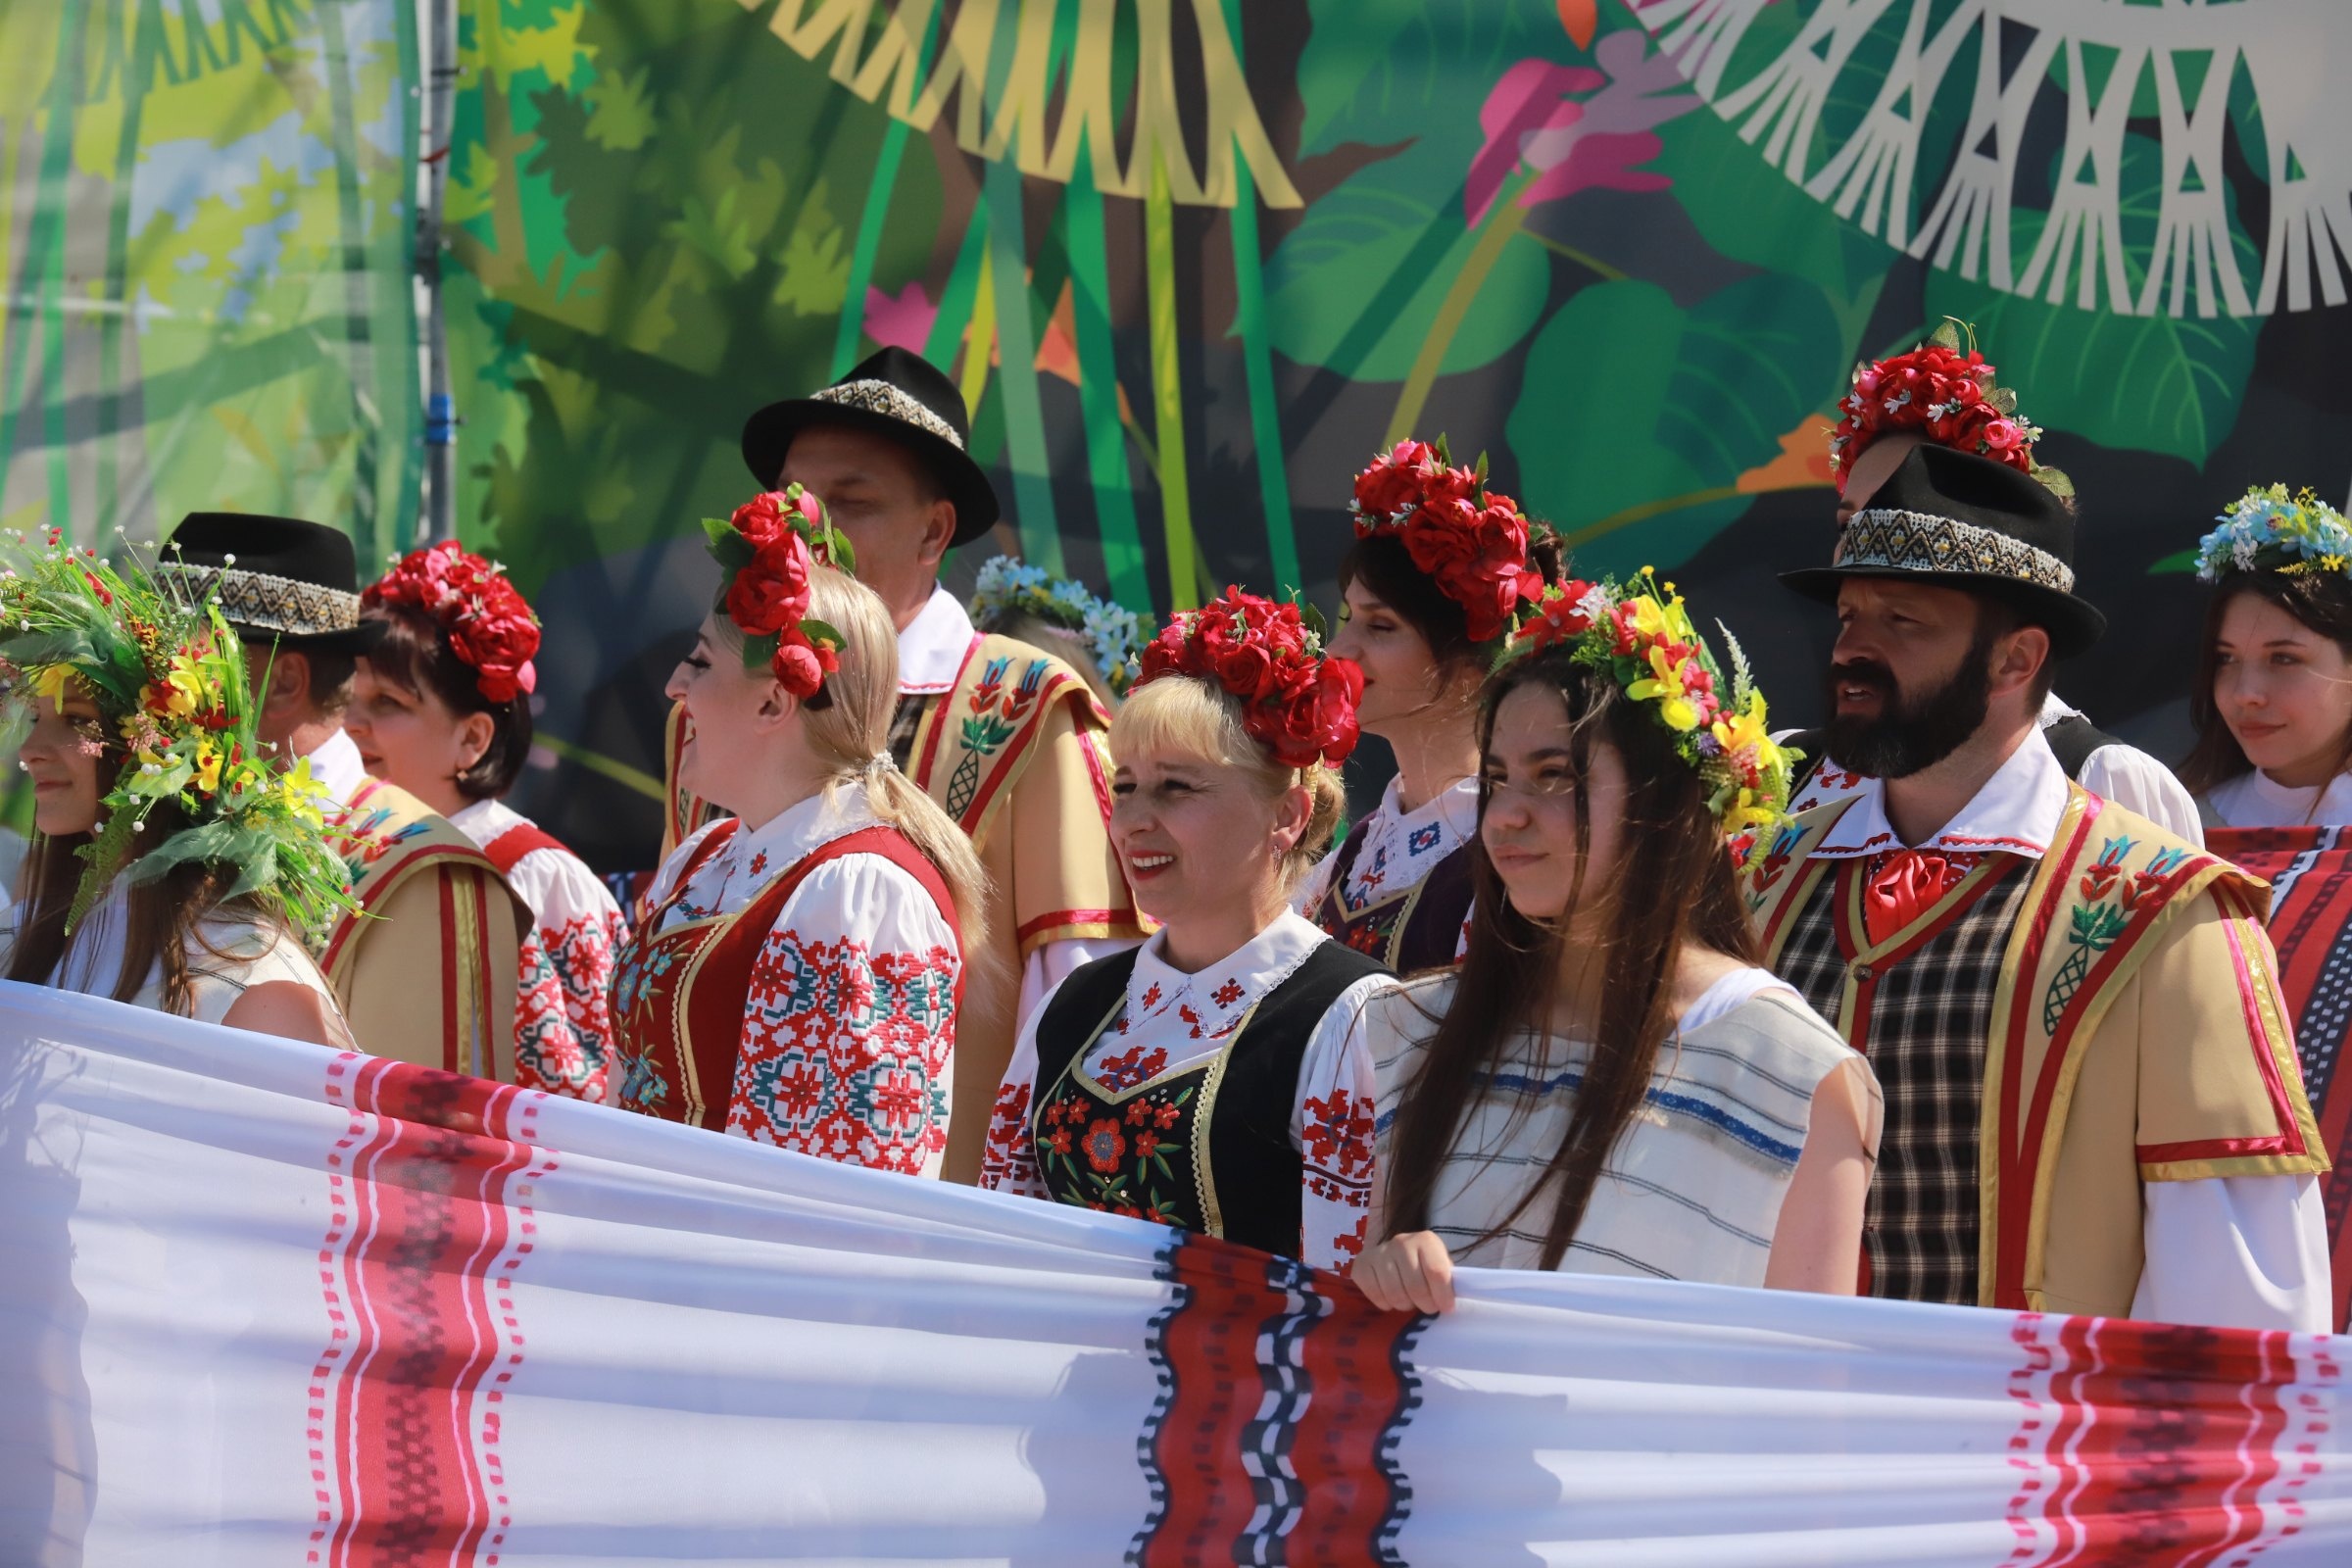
[898, 394]
[1965, 522]
[280, 581]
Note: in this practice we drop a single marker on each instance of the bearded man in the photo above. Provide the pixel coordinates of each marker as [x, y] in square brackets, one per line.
[2093, 1101]
[1938, 395]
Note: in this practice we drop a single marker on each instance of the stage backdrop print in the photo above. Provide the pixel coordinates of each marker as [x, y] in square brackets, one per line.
[1192, 260]
[271, 1304]
[206, 246]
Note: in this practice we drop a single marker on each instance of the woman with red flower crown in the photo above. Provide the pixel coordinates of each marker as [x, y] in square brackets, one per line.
[441, 708]
[796, 977]
[1439, 573]
[1203, 1080]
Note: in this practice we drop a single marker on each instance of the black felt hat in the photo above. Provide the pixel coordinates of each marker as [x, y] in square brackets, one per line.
[1967, 521]
[901, 395]
[278, 581]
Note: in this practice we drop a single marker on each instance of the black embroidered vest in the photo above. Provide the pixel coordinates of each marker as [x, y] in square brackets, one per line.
[1205, 1146]
[1414, 929]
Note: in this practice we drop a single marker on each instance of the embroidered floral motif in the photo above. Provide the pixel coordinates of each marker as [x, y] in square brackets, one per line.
[1123, 1071]
[1118, 1158]
[2111, 902]
[1009, 1161]
[1424, 839]
[758, 865]
[846, 1051]
[563, 1025]
[1226, 995]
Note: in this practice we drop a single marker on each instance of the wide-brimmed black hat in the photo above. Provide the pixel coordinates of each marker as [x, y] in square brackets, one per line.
[278, 581]
[901, 395]
[1967, 521]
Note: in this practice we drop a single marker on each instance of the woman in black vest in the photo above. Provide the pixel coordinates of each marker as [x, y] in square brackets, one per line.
[1439, 570]
[1205, 1080]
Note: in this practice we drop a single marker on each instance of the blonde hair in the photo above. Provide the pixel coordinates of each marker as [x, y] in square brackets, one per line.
[850, 736]
[1186, 716]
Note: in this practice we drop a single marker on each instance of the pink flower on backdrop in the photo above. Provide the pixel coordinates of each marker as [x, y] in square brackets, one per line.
[1573, 144]
[901, 324]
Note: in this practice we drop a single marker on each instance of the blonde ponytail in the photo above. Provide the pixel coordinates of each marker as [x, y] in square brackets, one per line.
[850, 736]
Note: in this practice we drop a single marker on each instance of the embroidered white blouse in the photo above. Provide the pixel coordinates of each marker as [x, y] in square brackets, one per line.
[1693, 1189]
[848, 1037]
[1400, 849]
[563, 1020]
[1172, 1021]
[2254, 800]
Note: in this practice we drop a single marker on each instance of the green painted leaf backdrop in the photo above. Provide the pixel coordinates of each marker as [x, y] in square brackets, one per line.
[1192, 260]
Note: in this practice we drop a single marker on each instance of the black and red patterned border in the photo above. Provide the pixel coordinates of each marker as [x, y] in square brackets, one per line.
[1282, 1396]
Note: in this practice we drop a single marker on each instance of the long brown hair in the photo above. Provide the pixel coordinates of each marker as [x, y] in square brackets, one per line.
[163, 918]
[1672, 885]
[2320, 600]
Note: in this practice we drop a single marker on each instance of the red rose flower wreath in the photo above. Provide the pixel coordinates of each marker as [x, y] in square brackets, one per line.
[488, 625]
[768, 550]
[1945, 393]
[1470, 541]
[1296, 701]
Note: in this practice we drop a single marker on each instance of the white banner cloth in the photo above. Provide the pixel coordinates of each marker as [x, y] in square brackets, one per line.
[262, 1302]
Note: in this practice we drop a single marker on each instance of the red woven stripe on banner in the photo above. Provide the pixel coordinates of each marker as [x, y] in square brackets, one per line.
[2159, 1442]
[419, 1221]
[1247, 1325]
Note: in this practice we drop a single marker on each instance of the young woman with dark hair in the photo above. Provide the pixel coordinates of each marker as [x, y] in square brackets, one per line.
[1438, 572]
[1204, 1080]
[441, 708]
[172, 867]
[797, 977]
[2273, 700]
[2271, 772]
[1610, 1083]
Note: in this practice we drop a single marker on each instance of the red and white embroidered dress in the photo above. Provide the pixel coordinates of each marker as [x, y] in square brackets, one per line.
[796, 984]
[563, 1020]
[1170, 1022]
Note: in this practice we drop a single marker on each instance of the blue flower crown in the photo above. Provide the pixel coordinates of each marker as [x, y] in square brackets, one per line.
[2268, 530]
[1113, 633]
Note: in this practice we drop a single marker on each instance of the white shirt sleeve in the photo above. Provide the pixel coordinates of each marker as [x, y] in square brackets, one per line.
[2235, 1251]
[2137, 782]
[848, 1028]
[1051, 965]
[1008, 1160]
[1332, 1126]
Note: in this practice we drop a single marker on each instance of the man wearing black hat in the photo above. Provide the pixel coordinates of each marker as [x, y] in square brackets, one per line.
[2092, 1102]
[427, 973]
[1006, 737]
[1871, 443]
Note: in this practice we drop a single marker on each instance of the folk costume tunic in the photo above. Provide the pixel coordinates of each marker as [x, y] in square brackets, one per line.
[1397, 888]
[796, 984]
[1231, 1100]
[2092, 1100]
[1693, 1189]
[562, 1023]
[2300, 841]
[426, 971]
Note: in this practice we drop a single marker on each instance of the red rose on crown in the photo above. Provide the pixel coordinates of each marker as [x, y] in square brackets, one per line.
[1296, 702]
[1470, 541]
[489, 625]
[1946, 395]
[769, 546]
[773, 592]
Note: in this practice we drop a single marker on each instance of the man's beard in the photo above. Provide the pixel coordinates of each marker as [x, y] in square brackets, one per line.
[1909, 735]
